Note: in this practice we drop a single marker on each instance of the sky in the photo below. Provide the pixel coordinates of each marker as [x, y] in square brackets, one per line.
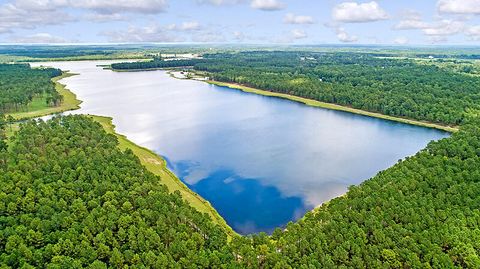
[387, 22]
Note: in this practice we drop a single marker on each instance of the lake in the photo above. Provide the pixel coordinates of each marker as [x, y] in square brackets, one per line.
[260, 161]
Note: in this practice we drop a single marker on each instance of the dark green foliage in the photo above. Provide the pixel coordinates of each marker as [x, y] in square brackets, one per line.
[157, 63]
[70, 198]
[395, 87]
[421, 213]
[39, 51]
[3, 126]
[19, 84]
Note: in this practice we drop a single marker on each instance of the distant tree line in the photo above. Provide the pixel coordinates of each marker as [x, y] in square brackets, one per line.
[396, 87]
[70, 198]
[158, 62]
[19, 84]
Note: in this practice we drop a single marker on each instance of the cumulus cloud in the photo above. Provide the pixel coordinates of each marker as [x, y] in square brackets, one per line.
[152, 33]
[121, 6]
[38, 38]
[14, 17]
[473, 32]
[298, 34]
[411, 24]
[437, 39]
[343, 36]
[358, 12]
[444, 28]
[459, 6]
[208, 37]
[291, 18]
[401, 40]
[99, 17]
[100, 6]
[29, 14]
[239, 36]
[185, 26]
[267, 5]
[220, 2]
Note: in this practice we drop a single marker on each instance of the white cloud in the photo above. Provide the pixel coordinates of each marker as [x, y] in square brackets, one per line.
[188, 26]
[411, 24]
[437, 39]
[355, 12]
[401, 40]
[13, 17]
[29, 14]
[343, 36]
[99, 17]
[267, 5]
[121, 6]
[444, 28]
[473, 32]
[220, 2]
[208, 37]
[152, 33]
[459, 6]
[298, 34]
[237, 35]
[38, 38]
[100, 6]
[298, 19]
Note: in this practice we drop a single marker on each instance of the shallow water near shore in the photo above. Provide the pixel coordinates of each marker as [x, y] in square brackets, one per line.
[260, 161]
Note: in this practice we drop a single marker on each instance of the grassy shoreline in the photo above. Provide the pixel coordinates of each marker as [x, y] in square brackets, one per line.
[157, 165]
[70, 102]
[152, 162]
[311, 102]
[315, 103]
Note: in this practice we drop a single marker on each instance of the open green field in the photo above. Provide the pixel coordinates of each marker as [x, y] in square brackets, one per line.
[157, 165]
[315, 103]
[38, 107]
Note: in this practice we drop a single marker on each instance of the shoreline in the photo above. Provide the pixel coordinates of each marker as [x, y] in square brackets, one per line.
[70, 101]
[315, 103]
[306, 101]
[158, 166]
[149, 159]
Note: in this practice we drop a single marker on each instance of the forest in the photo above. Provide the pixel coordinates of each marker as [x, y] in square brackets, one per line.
[391, 86]
[70, 198]
[19, 84]
[421, 213]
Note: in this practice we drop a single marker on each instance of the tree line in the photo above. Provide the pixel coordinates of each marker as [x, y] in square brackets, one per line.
[395, 87]
[70, 198]
[19, 84]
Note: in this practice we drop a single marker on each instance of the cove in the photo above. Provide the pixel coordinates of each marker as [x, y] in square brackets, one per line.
[260, 161]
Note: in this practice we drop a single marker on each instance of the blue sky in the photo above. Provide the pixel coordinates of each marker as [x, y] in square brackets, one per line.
[448, 22]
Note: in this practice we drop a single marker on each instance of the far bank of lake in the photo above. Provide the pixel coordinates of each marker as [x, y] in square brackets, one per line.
[260, 161]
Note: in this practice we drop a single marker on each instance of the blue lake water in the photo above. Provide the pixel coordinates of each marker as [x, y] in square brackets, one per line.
[261, 161]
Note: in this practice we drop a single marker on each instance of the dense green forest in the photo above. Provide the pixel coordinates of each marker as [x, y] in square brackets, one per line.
[70, 198]
[157, 63]
[421, 213]
[19, 84]
[395, 87]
